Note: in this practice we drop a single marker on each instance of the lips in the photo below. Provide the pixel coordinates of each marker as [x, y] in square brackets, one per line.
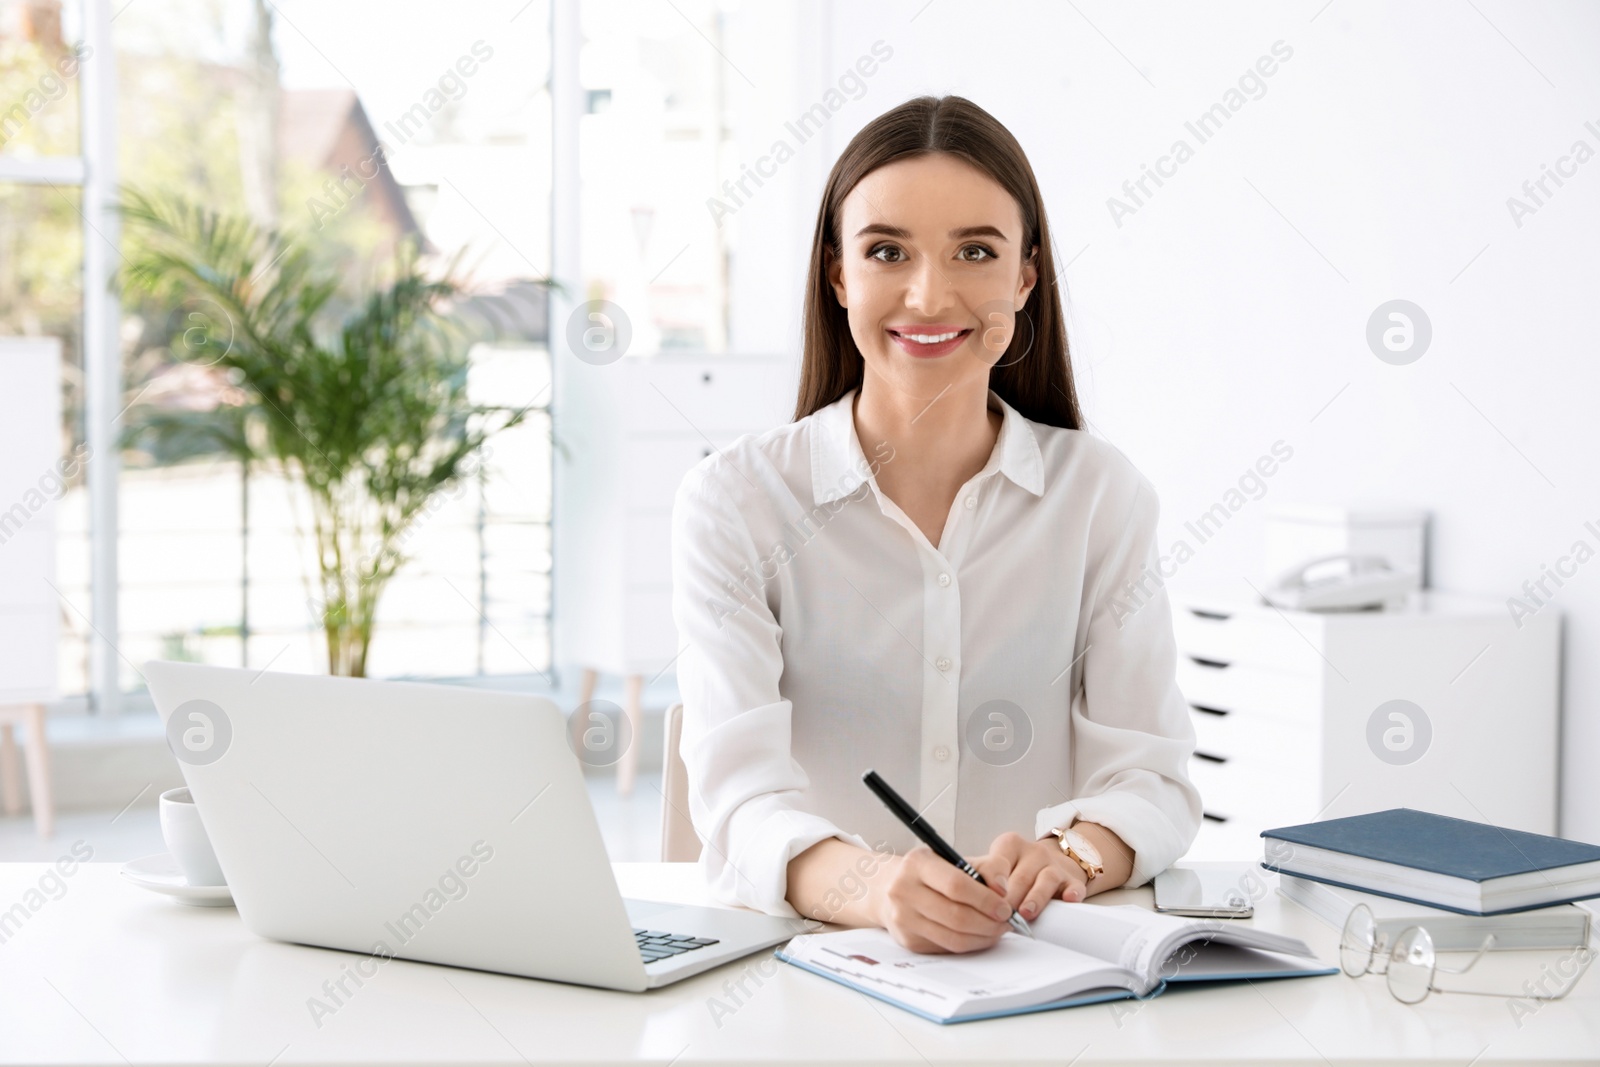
[929, 341]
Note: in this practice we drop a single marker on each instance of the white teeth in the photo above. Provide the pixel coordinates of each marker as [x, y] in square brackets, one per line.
[930, 339]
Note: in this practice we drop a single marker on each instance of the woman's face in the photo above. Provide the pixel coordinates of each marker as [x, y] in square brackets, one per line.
[933, 273]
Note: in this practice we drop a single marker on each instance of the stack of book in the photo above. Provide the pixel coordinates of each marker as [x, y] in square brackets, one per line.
[1459, 879]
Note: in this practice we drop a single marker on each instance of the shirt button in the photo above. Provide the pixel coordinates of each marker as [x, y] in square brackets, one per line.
[972, 502]
[941, 753]
[944, 580]
[943, 663]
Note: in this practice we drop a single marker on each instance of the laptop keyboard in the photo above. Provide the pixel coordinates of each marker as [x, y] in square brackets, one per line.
[655, 945]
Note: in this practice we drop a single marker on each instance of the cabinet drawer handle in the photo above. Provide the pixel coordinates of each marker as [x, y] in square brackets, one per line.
[1208, 756]
[706, 377]
[1214, 663]
[1217, 615]
[1213, 818]
[1209, 711]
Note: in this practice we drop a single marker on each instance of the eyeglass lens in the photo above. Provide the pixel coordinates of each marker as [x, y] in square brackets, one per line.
[1357, 943]
[1411, 965]
[1363, 949]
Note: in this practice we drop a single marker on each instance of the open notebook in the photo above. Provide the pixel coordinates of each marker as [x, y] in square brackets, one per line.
[1082, 954]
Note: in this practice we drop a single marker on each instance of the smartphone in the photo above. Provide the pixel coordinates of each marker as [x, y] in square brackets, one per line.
[1207, 890]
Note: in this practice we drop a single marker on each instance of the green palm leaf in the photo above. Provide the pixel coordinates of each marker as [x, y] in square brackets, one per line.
[370, 411]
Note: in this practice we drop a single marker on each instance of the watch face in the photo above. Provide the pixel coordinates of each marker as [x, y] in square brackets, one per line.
[1083, 846]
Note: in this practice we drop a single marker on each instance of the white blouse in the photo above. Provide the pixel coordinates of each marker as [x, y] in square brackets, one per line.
[1019, 675]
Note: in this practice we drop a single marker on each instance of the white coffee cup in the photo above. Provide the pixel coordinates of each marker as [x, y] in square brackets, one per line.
[186, 839]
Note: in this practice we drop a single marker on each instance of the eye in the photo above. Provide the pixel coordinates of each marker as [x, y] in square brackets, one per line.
[988, 253]
[873, 254]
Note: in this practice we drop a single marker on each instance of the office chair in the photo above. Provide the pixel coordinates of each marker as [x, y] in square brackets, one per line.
[679, 842]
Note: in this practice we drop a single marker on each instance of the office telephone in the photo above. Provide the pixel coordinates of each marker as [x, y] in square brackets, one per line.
[1344, 582]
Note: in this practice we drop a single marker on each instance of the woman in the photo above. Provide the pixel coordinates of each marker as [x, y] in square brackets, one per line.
[933, 572]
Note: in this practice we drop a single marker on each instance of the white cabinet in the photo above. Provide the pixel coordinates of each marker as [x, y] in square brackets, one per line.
[629, 431]
[33, 476]
[1446, 706]
[31, 481]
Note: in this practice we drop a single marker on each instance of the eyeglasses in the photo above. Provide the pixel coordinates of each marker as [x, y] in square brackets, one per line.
[1411, 964]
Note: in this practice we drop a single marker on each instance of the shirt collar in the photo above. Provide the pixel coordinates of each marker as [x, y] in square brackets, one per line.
[839, 466]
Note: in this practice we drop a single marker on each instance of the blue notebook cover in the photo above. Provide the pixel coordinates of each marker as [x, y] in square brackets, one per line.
[1440, 844]
[1052, 1005]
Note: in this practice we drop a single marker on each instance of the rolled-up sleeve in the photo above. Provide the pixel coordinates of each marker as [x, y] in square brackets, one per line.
[736, 747]
[1132, 736]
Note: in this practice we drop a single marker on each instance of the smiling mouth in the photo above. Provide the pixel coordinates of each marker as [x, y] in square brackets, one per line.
[931, 339]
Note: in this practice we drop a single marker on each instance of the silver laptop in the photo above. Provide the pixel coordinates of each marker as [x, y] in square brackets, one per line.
[426, 822]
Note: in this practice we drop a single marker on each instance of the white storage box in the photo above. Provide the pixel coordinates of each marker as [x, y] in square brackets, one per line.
[1298, 533]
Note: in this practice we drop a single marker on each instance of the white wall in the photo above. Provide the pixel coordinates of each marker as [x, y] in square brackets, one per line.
[1230, 310]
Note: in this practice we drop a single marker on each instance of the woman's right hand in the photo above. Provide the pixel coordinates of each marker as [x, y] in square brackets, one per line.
[928, 905]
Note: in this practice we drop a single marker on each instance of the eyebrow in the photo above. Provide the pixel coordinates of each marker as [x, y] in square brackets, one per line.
[964, 231]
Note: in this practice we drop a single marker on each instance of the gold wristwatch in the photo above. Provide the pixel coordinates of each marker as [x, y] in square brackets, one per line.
[1080, 849]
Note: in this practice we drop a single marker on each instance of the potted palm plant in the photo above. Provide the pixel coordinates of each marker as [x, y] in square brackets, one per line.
[364, 403]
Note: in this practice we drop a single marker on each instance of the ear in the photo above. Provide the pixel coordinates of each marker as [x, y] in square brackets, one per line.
[833, 266]
[1030, 277]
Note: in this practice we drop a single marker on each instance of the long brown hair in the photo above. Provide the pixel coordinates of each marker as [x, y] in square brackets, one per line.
[1034, 375]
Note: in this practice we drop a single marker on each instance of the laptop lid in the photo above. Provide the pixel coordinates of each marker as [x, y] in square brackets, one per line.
[438, 823]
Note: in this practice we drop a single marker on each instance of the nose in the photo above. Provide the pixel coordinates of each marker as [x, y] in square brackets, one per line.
[928, 290]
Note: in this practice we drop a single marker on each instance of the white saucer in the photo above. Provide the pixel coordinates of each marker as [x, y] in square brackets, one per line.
[160, 874]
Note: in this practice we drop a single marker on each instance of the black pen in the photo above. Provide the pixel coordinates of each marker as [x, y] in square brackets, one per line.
[930, 837]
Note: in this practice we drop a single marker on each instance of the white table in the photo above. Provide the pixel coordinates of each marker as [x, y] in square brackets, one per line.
[111, 974]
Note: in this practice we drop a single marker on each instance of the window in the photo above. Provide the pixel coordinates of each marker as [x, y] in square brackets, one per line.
[649, 151]
[42, 56]
[216, 566]
[211, 565]
[211, 555]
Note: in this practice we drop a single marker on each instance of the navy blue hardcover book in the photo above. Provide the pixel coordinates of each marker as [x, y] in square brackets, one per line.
[1475, 854]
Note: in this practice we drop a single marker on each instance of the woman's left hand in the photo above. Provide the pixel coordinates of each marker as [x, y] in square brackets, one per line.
[1031, 872]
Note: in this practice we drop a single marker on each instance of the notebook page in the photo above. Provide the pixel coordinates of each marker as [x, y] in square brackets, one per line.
[1140, 940]
[1124, 934]
[1215, 959]
[1016, 972]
